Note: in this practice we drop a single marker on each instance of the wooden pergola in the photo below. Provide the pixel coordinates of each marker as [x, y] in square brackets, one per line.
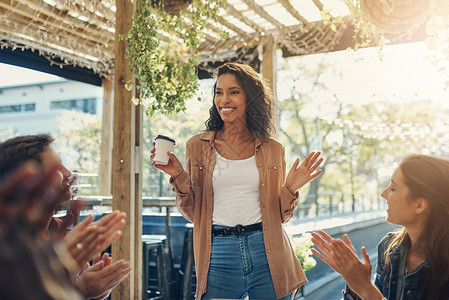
[77, 39]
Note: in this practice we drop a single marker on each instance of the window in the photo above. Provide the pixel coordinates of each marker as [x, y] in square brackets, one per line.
[17, 108]
[85, 105]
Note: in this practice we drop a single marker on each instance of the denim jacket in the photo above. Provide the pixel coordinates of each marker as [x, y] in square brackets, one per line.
[387, 276]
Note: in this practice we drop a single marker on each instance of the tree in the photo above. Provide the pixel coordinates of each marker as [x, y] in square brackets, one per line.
[361, 143]
[180, 126]
[78, 141]
[7, 133]
[300, 110]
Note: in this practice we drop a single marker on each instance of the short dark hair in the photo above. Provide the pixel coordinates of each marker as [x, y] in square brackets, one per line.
[16, 151]
[259, 101]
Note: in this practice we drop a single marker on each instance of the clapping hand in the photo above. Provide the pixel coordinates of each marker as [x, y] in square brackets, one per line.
[324, 243]
[97, 280]
[86, 240]
[341, 256]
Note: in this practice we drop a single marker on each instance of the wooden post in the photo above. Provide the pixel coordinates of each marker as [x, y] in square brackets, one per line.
[138, 226]
[105, 177]
[126, 183]
[269, 66]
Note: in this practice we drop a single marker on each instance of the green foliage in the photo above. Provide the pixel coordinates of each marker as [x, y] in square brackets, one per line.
[361, 142]
[162, 50]
[302, 248]
[78, 140]
[437, 42]
[180, 127]
[7, 133]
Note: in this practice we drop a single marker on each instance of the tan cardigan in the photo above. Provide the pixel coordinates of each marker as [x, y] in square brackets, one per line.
[195, 202]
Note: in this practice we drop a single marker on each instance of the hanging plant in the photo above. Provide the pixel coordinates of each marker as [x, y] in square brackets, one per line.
[437, 41]
[162, 45]
[376, 20]
[365, 33]
[396, 17]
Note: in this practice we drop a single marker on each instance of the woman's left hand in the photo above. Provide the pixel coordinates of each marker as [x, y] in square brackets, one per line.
[299, 175]
[356, 273]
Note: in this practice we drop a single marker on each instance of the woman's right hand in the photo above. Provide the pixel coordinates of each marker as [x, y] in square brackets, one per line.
[85, 240]
[341, 256]
[172, 168]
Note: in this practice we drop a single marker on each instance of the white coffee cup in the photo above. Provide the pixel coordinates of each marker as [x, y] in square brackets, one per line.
[163, 144]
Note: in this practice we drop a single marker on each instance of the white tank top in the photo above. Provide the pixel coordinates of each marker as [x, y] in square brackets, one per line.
[236, 192]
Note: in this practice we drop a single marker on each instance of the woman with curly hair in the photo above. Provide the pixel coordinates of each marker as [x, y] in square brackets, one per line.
[235, 192]
[412, 262]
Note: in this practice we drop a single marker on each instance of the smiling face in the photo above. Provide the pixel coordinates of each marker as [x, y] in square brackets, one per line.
[402, 210]
[230, 100]
[48, 158]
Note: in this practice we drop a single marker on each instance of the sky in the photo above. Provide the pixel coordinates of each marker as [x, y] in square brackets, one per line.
[13, 75]
[402, 70]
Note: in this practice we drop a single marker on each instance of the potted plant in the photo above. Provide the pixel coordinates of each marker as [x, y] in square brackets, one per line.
[162, 45]
[302, 246]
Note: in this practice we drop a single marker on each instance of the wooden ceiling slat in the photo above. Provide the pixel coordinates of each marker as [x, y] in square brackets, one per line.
[34, 31]
[53, 45]
[260, 11]
[48, 15]
[238, 15]
[62, 8]
[289, 7]
[318, 4]
[234, 28]
[231, 44]
[86, 29]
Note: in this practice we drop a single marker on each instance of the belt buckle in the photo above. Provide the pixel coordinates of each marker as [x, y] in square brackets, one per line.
[239, 229]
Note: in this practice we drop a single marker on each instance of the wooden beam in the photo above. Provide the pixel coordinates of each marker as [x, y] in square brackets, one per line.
[234, 43]
[318, 4]
[126, 181]
[139, 292]
[269, 67]
[289, 7]
[347, 40]
[233, 27]
[105, 176]
[237, 14]
[55, 22]
[259, 10]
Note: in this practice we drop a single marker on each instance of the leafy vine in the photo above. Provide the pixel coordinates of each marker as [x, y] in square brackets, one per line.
[162, 52]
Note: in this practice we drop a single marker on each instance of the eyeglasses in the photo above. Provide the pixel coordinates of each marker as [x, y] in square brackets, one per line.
[74, 185]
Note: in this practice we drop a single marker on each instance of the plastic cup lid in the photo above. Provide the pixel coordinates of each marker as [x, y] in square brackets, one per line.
[159, 136]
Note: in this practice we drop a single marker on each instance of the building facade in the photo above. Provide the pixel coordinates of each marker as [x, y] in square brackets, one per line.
[34, 108]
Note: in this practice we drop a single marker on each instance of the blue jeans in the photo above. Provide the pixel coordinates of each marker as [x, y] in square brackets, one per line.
[239, 268]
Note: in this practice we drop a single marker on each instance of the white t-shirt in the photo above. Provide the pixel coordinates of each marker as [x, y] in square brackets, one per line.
[236, 192]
